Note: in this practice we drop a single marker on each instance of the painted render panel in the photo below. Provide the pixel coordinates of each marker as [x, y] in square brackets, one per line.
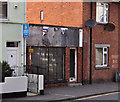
[16, 14]
[11, 32]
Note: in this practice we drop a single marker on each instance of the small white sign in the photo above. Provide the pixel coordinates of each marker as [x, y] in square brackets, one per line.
[80, 37]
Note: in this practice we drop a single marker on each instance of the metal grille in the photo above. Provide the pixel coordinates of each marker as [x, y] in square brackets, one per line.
[48, 62]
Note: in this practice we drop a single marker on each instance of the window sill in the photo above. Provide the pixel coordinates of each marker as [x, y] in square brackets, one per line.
[4, 20]
[102, 67]
[102, 23]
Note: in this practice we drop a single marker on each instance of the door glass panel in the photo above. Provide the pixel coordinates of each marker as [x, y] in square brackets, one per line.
[12, 44]
[105, 59]
[72, 63]
[99, 56]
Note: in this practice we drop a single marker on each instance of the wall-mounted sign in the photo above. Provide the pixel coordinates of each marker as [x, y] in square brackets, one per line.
[45, 28]
[31, 50]
[25, 30]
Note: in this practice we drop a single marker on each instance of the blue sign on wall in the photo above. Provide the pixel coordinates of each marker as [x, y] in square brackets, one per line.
[25, 30]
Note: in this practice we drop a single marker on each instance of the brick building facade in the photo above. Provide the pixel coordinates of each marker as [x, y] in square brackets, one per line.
[74, 15]
[102, 36]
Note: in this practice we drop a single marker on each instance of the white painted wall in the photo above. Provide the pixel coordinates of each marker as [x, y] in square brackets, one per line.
[41, 82]
[14, 84]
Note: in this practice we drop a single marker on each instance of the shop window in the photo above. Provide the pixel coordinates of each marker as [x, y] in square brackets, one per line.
[3, 9]
[102, 12]
[48, 62]
[102, 56]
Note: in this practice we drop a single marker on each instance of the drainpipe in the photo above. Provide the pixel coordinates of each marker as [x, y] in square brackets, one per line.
[81, 36]
[91, 45]
[24, 46]
[25, 10]
[82, 67]
[25, 40]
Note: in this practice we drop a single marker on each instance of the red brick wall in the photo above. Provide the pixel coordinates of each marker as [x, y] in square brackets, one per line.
[55, 13]
[56, 84]
[79, 65]
[100, 36]
[86, 16]
[119, 34]
[67, 64]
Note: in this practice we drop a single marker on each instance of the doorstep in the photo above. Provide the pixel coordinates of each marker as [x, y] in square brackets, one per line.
[74, 84]
[31, 94]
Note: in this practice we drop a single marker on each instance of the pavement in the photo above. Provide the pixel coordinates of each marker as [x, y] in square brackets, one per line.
[69, 92]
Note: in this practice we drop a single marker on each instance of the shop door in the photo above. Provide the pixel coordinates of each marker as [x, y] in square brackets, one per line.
[73, 65]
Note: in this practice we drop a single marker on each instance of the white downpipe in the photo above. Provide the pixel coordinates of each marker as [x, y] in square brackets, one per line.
[25, 38]
[22, 53]
[80, 37]
[25, 54]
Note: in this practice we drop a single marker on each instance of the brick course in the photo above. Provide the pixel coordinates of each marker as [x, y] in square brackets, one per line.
[55, 13]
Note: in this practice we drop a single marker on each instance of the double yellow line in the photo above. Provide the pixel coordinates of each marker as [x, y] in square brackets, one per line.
[97, 96]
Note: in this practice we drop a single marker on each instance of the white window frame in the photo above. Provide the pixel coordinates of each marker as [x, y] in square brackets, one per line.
[103, 47]
[41, 15]
[105, 53]
[3, 19]
[104, 16]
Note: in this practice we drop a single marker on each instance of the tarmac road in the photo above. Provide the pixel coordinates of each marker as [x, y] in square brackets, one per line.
[110, 97]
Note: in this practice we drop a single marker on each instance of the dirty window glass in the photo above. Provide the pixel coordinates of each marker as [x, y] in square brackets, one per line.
[3, 10]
